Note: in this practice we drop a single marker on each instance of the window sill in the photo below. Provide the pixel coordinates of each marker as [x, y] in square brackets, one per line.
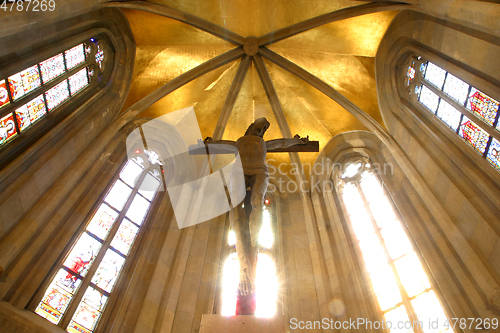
[11, 317]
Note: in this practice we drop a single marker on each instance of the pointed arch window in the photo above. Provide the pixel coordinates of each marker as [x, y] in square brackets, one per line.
[78, 293]
[390, 261]
[29, 96]
[266, 280]
[466, 110]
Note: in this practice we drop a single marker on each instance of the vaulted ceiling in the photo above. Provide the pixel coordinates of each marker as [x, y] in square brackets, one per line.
[334, 40]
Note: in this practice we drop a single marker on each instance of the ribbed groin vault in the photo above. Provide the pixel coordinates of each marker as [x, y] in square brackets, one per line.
[396, 218]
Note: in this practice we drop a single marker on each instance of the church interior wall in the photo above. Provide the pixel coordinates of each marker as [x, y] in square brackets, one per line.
[465, 186]
[174, 275]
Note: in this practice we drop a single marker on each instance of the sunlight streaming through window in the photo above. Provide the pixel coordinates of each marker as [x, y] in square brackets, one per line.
[398, 279]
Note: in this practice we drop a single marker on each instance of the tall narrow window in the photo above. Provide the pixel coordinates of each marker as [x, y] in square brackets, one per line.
[469, 112]
[266, 281]
[29, 95]
[397, 278]
[79, 291]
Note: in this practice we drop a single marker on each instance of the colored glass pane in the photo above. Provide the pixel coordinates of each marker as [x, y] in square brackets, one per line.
[88, 49]
[125, 236]
[58, 295]
[118, 195]
[99, 56]
[88, 311]
[7, 128]
[434, 74]
[23, 117]
[74, 56]
[410, 73]
[24, 82]
[78, 81]
[67, 281]
[149, 186]
[138, 209]
[83, 254]
[428, 98]
[36, 108]
[107, 272]
[494, 153]
[449, 114]
[482, 105]
[57, 94]
[130, 173]
[456, 88]
[53, 304]
[16, 86]
[102, 221]
[52, 67]
[4, 95]
[473, 134]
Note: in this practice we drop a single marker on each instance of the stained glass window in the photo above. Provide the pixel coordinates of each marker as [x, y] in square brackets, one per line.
[36, 108]
[459, 112]
[74, 56]
[24, 82]
[52, 67]
[473, 134]
[494, 153]
[30, 112]
[64, 84]
[58, 295]
[23, 117]
[7, 129]
[90, 253]
[410, 73]
[99, 56]
[428, 98]
[434, 75]
[449, 114]
[397, 278]
[483, 105]
[57, 94]
[4, 95]
[78, 81]
[456, 88]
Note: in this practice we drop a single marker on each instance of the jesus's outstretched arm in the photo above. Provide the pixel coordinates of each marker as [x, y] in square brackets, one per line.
[286, 143]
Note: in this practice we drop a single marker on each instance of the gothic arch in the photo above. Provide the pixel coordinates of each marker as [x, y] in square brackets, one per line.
[425, 229]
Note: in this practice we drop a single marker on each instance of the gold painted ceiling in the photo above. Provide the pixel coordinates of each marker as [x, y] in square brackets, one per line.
[340, 53]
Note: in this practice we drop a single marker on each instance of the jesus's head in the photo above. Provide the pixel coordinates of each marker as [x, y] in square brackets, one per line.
[258, 127]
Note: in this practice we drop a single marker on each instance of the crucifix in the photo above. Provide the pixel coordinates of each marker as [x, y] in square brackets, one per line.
[252, 150]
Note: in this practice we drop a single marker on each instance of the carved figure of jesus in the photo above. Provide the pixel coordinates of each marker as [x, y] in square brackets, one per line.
[252, 150]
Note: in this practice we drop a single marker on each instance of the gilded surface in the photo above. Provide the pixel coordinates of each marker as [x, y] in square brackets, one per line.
[257, 17]
[166, 48]
[358, 36]
[340, 53]
[206, 94]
